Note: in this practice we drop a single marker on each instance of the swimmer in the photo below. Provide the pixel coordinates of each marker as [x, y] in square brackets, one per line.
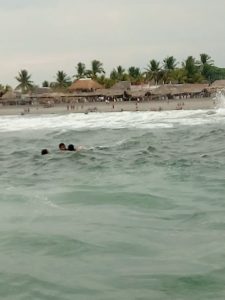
[62, 147]
[44, 151]
[71, 147]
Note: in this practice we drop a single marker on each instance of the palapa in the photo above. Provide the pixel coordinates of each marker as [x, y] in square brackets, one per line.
[178, 89]
[122, 85]
[220, 84]
[85, 85]
[11, 95]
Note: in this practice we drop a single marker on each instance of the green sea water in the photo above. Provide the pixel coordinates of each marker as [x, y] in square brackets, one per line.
[139, 213]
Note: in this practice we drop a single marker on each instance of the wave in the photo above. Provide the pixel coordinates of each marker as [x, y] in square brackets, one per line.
[220, 99]
[141, 120]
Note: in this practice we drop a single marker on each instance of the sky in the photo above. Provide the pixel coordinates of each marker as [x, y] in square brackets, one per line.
[44, 36]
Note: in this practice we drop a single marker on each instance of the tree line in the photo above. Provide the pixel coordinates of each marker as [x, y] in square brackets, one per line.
[191, 70]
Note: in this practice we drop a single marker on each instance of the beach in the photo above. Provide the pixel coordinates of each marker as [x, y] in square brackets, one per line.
[153, 105]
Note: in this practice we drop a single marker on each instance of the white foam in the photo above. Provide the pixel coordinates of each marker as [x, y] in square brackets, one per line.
[142, 120]
[220, 99]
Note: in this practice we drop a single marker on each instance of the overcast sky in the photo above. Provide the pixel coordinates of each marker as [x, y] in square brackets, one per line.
[44, 36]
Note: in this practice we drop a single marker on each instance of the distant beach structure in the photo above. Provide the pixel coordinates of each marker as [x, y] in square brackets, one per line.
[87, 95]
[85, 85]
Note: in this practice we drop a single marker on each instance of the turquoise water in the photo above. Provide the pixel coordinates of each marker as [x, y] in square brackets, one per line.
[139, 213]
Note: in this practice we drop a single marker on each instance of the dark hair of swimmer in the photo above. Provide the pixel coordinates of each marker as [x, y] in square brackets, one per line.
[62, 147]
[44, 151]
[71, 148]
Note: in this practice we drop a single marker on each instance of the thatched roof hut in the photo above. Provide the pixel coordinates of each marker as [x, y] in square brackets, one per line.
[111, 92]
[194, 88]
[179, 89]
[10, 97]
[41, 90]
[122, 85]
[163, 90]
[85, 85]
[218, 84]
[98, 93]
[137, 93]
[46, 97]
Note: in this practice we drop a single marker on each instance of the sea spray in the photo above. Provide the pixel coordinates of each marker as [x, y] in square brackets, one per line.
[220, 99]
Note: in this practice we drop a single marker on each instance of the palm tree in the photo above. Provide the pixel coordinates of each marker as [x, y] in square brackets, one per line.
[118, 74]
[179, 75]
[25, 84]
[45, 83]
[206, 59]
[114, 75]
[169, 65]
[191, 68]
[81, 70]
[62, 80]
[205, 65]
[135, 75]
[153, 70]
[96, 68]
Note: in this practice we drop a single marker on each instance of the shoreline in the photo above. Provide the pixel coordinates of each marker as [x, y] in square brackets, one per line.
[130, 106]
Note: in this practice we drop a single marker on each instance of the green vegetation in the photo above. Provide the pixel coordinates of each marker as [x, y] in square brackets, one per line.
[191, 70]
[4, 89]
[96, 68]
[25, 84]
[154, 71]
[45, 83]
[212, 73]
[81, 71]
[62, 81]
[118, 74]
[169, 66]
[135, 75]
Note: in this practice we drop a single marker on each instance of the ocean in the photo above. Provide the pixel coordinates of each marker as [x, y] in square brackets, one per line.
[138, 213]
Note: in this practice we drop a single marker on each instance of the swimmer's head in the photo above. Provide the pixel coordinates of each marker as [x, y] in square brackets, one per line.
[71, 148]
[44, 151]
[62, 147]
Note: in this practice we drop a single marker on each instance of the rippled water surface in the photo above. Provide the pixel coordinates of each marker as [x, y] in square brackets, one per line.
[139, 213]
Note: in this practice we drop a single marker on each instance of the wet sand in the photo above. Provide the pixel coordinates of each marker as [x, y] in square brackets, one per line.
[154, 105]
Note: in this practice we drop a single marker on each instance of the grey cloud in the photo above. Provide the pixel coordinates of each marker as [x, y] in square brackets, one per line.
[47, 35]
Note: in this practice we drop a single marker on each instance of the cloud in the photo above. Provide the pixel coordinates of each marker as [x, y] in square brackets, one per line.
[45, 36]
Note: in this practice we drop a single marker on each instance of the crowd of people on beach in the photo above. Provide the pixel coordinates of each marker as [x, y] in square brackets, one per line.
[62, 147]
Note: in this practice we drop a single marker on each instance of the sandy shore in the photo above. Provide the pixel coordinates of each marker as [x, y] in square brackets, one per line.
[157, 105]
